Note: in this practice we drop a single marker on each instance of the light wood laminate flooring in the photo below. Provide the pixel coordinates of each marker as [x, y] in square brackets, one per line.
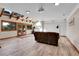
[27, 46]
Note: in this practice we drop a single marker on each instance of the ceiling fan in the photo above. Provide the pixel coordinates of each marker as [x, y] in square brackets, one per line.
[41, 9]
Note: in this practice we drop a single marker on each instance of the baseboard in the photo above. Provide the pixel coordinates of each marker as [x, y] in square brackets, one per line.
[7, 38]
[63, 36]
[73, 45]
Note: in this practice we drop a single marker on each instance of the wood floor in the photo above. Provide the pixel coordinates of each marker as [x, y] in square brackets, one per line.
[27, 46]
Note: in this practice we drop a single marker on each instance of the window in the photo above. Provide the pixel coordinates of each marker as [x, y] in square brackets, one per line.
[7, 12]
[8, 26]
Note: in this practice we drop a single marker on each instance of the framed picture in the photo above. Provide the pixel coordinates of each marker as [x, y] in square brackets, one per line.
[72, 21]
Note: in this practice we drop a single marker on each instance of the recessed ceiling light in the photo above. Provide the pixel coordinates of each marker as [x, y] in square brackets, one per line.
[27, 12]
[56, 4]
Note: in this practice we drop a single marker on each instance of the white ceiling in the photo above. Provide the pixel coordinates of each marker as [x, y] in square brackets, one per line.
[51, 11]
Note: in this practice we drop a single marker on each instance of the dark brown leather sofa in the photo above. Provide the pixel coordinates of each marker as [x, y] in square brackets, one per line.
[47, 37]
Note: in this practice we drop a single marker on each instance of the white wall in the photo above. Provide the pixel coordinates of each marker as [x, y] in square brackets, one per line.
[51, 27]
[73, 30]
[62, 28]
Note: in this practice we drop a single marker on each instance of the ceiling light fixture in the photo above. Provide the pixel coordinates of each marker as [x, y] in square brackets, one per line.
[56, 4]
[41, 8]
[27, 12]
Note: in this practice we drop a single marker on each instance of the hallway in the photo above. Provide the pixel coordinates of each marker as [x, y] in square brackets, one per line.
[27, 46]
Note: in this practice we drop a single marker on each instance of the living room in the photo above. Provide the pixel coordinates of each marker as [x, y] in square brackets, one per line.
[58, 24]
